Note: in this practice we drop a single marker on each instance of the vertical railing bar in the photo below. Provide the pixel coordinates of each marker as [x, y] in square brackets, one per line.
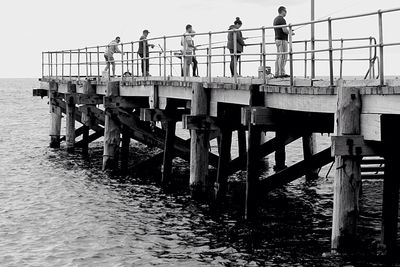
[184, 57]
[98, 63]
[341, 57]
[170, 62]
[209, 55]
[305, 58]
[137, 64]
[165, 57]
[56, 65]
[42, 64]
[160, 62]
[330, 52]
[370, 58]
[291, 54]
[224, 49]
[133, 60]
[50, 65]
[90, 65]
[86, 63]
[263, 56]
[122, 62]
[62, 65]
[70, 64]
[79, 64]
[381, 75]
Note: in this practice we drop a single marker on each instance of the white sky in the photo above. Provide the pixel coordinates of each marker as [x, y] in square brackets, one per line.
[30, 27]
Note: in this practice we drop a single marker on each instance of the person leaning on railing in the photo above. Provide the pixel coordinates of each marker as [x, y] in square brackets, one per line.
[281, 41]
[109, 54]
[143, 52]
[231, 44]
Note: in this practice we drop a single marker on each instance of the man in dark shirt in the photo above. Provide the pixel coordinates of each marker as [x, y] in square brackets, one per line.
[144, 52]
[281, 41]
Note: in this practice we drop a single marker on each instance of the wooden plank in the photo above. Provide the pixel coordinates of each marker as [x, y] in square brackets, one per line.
[354, 145]
[40, 92]
[200, 122]
[381, 104]
[70, 118]
[151, 114]
[305, 103]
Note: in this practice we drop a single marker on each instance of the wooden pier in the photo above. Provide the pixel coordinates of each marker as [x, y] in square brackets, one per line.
[361, 116]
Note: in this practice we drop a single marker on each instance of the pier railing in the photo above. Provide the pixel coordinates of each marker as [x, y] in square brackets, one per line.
[214, 57]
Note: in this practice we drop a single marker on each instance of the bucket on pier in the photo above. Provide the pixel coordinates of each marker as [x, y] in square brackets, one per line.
[267, 71]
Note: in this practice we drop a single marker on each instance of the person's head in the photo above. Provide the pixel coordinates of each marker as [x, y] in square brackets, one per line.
[237, 23]
[188, 28]
[117, 39]
[145, 33]
[282, 11]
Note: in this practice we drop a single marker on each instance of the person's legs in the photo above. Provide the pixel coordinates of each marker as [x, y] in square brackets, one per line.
[237, 60]
[113, 67]
[232, 64]
[146, 66]
[284, 57]
[186, 65]
[142, 63]
[107, 62]
[194, 61]
[279, 58]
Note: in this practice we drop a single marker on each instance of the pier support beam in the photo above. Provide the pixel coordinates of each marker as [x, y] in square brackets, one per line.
[55, 117]
[199, 144]
[309, 149]
[70, 118]
[125, 143]
[111, 131]
[391, 143]
[347, 181]
[168, 156]
[254, 140]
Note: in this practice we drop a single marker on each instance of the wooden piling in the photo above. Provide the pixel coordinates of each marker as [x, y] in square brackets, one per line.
[55, 117]
[170, 127]
[125, 143]
[242, 145]
[70, 118]
[199, 144]
[348, 172]
[111, 131]
[309, 149]
[280, 153]
[254, 140]
[220, 187]
[390, 207]
[86, 119]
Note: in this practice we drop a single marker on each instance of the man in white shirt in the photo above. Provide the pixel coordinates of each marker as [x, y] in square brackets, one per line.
[109, 54]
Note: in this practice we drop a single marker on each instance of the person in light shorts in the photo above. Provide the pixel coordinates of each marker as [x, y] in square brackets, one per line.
[109, 54]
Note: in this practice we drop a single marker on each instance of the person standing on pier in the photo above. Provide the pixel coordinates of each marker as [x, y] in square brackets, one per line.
[143, 52]
[281, 41]
[109, 54]
[187, 50]
[194, 60]
[239, 43]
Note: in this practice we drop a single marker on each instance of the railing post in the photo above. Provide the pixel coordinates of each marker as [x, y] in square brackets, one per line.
[209, 56]
[56, 65]
[98, 63]
[341, 58]
[86, 63]
[165, 57]
[133, 53]
[263, 55]
[122, 61]
[79, 64]
[330, 51]
[62, 65]
[50, 63]
[159, 62]
[291, 55]
[234, 55]
[184, 57]
[42, 64]
[381, 73]
[170, 63]
[224, 49]
[370, 58]
[305, 59]
[70, 64]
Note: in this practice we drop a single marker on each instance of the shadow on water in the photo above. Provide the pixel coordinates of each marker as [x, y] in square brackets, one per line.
[293, 227]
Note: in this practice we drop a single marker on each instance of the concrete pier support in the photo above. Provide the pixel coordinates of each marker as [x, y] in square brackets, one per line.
[347, 181]
[199, 144]
[280, 153]
[112, 132]
[70, 118]
[55, 117]
[391, 145]
[170, 127]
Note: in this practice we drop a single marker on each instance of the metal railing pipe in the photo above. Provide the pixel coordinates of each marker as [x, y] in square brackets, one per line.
[341, 59]
[263, 56]
[381, 75]
[165, 57]
[234, 55]
[209, 56]
[330, 52]
[291, 55]
[86, 63]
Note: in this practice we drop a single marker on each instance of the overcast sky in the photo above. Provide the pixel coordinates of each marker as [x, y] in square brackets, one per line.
[30, 27]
